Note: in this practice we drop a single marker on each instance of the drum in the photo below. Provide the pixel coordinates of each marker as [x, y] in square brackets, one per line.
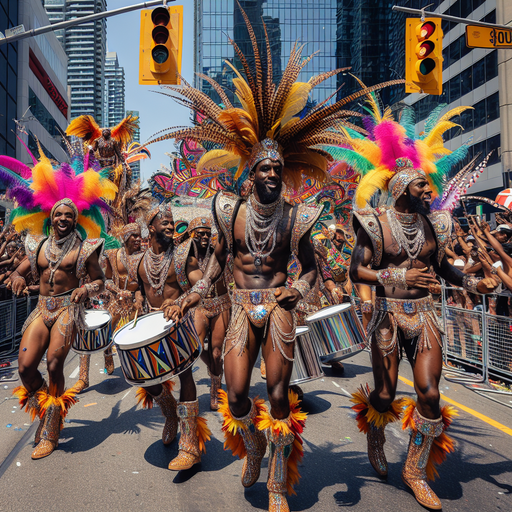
[97, 336]
[336, 332]
[152, 350]
[306, 366]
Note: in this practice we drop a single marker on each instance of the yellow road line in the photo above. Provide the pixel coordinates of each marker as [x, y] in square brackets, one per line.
[476, 414]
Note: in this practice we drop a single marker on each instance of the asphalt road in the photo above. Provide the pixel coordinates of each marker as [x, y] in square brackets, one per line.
[110, 456]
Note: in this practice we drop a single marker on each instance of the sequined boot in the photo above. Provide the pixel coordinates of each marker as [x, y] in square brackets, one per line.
[56, 409]
[372, 423]
[109, 363]
[83, 381]
[255, 445]
[30, 401]
[414, 472]
[280, 448]
[215, 385]
[168, 405]
[189, 453]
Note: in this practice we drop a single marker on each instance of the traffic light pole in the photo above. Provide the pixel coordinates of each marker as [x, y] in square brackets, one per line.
[454, 19]
[79, 21]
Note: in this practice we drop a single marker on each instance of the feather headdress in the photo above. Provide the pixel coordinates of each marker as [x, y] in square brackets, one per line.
[270, 121]
[88, 129]
[390, 157]
[47, 185]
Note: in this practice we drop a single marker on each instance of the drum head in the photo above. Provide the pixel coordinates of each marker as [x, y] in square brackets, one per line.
[303, 329]
[329, 311]
[95, 318]
[145, 329]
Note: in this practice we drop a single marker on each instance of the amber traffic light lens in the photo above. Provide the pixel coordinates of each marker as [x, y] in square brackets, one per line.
[160, 16]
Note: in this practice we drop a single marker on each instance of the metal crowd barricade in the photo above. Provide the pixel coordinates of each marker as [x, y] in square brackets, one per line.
[478, 342]
[13, 313]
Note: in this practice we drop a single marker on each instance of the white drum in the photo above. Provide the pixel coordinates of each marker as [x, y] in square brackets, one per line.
[97, 336]
[336, 332]
[152, 350]
[306, 365]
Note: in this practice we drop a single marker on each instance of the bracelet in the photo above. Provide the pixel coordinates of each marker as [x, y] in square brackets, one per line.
[394, 277]
[367, 306]
[470, 283]
[302, 286]
[92, 289]
[14, 276]
[111, 287]
[202, 287]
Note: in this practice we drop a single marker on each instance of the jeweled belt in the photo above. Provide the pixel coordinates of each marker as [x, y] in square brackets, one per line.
[407, 306]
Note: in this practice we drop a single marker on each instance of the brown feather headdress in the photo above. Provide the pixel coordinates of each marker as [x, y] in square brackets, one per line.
[268, 111]
[88, 129]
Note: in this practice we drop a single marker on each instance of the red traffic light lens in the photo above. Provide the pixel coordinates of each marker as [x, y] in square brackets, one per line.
[425, 49]
[427, 66]
[160, 35]
[160, 16]
[425, 30]
[160, 54]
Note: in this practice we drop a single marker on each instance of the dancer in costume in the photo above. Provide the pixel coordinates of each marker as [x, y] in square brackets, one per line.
[122, 283]
[60, 252]
[399, 250]
[214, 312]
[162, 290]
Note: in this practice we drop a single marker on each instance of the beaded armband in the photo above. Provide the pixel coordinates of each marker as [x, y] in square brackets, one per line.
[367, 306]
[302, 286]
[394, 277]
[202, 287]
[92, 289]
[470, 283]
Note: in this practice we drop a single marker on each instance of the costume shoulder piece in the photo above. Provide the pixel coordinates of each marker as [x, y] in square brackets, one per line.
[89, 245]
[32, 245]
[368, 220]
[180, 264]
[442, 224]
[223, 209]
[111, 254]
[307, 215]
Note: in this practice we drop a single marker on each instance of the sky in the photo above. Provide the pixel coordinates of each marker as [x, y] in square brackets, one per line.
[157, 112]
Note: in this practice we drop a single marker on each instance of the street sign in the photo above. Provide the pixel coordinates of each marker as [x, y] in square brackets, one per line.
[14, 31]
[486, 37]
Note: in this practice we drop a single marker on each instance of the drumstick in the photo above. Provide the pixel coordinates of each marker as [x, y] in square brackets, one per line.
[135, 320]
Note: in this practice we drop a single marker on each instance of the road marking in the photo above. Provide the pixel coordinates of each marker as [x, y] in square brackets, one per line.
[476, 414]
[89, 405]
[126, 394]
[75, 373]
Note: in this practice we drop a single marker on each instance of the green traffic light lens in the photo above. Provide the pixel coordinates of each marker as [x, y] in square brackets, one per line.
[427, 66]
[160, 54]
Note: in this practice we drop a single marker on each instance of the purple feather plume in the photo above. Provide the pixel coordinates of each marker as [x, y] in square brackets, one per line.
[24, 196]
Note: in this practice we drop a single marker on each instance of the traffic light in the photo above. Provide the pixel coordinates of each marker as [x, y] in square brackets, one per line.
[161, 35]
[424, 56]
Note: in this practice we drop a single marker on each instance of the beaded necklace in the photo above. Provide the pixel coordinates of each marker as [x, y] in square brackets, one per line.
[56, 250]
[408, 231]
[157, 268]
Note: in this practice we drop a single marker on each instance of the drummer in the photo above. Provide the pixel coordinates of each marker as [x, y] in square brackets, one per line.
[61, 260]
[262, 315]
[122, 283]
[195, 253]
[160, 286]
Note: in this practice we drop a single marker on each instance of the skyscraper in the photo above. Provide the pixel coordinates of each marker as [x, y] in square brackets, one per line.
[85, 46]
[114, 90]
[286, 22]
[135, 166]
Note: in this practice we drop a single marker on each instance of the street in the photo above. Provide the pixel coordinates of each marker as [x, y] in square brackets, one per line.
[110, 455]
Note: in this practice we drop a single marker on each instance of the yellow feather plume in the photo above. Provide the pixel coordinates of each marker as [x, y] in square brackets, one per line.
[376, 179]
[43, 177]
[238, 121]
[34, 222]
[217, 159]
[435, 135]
[296, 101]
[91, 228]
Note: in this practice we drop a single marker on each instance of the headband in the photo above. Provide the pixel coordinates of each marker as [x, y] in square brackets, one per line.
[267, 148]
[405, 173]
[67, 202]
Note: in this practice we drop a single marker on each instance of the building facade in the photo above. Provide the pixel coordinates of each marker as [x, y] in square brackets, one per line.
[85, 46]
[8, 80]
[43, 108]
[114, 90]
[287, 22]
[135, 166]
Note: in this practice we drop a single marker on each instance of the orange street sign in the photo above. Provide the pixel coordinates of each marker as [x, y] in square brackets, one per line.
[486, 37]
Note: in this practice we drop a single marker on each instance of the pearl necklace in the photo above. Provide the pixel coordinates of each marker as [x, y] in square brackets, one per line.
[157, 268]
[408, 232]
[261, 225]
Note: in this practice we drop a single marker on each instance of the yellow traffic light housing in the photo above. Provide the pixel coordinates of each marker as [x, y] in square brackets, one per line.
[424, 56]
[161, 36]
